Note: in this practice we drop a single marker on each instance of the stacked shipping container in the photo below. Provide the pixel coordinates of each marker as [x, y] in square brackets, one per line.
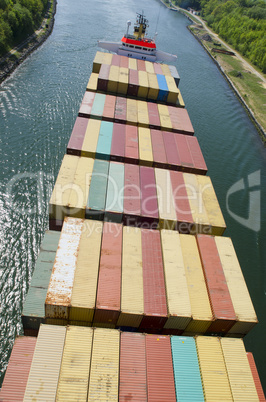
[89, 364]
[135, 162]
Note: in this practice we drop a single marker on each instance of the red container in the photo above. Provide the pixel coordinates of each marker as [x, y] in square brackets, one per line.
[256, 377]
[116, 60]
[16, 377]
[198, 159]
[123, 61]
[118, 142]
[157, 68]
[131, 145]
[180, 120]
[86, 104]
[132, 373]
[133, 83]
[132, 202]
[149, 203]
[182, 206]
[220, 299]
[103, 77]
[155, 304]
[160, 373]
[158, 150]
[154, 118]
[141, 65]
[77, 136]
[183, 150]
[109, 281]
[121, 110]
[109, 108]
[172, 155]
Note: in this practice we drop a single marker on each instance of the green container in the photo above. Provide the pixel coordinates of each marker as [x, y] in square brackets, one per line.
[98, 187]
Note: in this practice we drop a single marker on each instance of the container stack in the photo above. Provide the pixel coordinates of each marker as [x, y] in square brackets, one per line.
[135, 294]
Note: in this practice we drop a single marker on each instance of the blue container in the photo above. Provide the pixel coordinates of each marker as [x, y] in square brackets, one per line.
[104, 143]
[163, 88]
[188, 384]
[97, 194]
[98, 106]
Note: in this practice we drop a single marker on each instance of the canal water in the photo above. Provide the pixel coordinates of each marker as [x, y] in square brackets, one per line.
[38, 107]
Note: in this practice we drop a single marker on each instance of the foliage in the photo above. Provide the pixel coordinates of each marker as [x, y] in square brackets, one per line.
[242, 24]
[18, 19]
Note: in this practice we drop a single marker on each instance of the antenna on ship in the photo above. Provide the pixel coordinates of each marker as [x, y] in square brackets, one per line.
[128, 25]
[156, 33]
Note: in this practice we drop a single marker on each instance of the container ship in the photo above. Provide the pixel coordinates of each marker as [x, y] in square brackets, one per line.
[136, 294]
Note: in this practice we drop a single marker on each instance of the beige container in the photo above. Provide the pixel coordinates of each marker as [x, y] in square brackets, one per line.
[93, 82]
[132, 111]
[167, 213]
[45, 366]
[75, 366]
[180, 100]
[178, 301]
[237, 365]
[145, 146]
[149, 67]
[62, 188]
[143, 115]
[215, 382]
[86, 274]
[112, 85]
[211, 204]
[173, 90]
[132, 64]
[238, 290]
[61, 282]
[165, 119]
[165, 69]
[90, 141]
[143, 84]
[199, 299]
[123, 81]
[80, 189]
[104, 375]
[153, 91]
[97, 62]
[132, 301]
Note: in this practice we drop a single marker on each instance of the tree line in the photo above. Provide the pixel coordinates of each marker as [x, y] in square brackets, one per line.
[241, 23]
[18, 20]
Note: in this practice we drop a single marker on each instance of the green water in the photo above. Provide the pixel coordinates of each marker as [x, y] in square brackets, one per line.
[38, 107]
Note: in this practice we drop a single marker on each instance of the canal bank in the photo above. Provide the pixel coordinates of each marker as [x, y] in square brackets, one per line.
[17, 55]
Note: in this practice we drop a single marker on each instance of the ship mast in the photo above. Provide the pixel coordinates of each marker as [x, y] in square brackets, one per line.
[140, 26]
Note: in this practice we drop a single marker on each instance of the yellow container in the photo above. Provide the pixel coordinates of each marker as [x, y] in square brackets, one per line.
[45, 366]
[132, 111]
[86, 274]
[93, 82]
[104, 374]
[80, 189]
[180, 100]
[75, 366]
[90, 141]
[145, 146]
[199, 299]
[153, 87]
[62, 188]
[132, 301]
[173, 90]
[197, 204]
[97, 62]
[211, 204]
[143, 84]
[112, 85]
[123, 81]
[149, 67]
[238, 370]
[178, 301]
[143, 115]
[238, 290]
[167, 214]
[214, 376]
[164, 117]
[132, 64]
[166, 70]
[107, 58]
[61, 282]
